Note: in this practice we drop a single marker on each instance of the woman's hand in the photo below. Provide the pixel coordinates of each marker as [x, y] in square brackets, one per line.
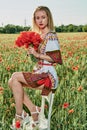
[31, 50]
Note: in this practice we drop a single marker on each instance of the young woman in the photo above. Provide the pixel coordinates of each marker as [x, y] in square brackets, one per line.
[44, 76]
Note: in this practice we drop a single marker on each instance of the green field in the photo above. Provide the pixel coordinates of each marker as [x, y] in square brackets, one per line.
[72, 87]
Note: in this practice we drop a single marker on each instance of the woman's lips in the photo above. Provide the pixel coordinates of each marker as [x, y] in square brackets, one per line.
[41, 24]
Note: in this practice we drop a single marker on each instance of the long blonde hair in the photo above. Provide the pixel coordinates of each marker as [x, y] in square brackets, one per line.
[49, 15]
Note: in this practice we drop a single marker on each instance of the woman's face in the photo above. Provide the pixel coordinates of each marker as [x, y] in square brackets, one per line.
[41, 19]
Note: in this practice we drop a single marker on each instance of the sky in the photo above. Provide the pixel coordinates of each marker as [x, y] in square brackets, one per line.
[19, 12]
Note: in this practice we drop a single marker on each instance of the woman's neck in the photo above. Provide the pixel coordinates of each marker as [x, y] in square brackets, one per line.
[44, 32]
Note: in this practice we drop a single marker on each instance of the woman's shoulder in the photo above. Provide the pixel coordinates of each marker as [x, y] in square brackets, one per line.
[51, 35]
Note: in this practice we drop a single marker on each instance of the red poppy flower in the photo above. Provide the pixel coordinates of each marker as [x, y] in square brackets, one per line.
[45, 106]
[65, 105]
[17, 124]
[75, 67]
[80, 88]
[71, 111]
[28, 38]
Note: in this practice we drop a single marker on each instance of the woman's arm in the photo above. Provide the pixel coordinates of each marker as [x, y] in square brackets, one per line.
[52, 50]
[38, 55]
[44, 57]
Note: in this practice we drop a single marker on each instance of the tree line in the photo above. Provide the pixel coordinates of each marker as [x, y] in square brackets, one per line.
[10, 28]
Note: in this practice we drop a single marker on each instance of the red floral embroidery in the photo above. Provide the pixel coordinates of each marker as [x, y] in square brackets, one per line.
[46, 81]
[56, 56]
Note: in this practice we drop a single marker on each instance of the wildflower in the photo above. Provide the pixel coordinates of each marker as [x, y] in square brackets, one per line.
[70, 111]
[8, 68]
[65, 105]
[46, 106]
[1, 90]
[70, 53]
[77, 57]
[75, 68]
[80, 88]
[13, 105]
[28, 38]
[17, 124]
[0, 59]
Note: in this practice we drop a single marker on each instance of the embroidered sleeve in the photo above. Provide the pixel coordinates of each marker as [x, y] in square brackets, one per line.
[53, 48]
[56, 56]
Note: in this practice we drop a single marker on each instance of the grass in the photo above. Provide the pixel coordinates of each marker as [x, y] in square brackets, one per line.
[72, 87]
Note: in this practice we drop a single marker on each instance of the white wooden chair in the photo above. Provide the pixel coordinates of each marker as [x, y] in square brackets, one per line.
[44, 124]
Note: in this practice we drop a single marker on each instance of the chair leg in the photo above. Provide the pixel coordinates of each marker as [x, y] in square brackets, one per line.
[50, 109]
[42, 107]
[42, 115]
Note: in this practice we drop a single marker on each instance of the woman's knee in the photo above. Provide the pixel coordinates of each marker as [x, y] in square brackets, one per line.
[12, 79]
[15, 75]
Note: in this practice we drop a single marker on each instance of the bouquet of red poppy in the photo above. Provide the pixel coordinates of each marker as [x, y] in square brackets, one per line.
[29, 38]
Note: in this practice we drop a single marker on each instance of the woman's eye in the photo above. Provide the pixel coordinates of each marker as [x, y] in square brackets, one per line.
[37, 18]
[43, 17]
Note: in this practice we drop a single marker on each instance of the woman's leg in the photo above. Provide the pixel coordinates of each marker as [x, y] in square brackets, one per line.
[16, 84]
[28, 103]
